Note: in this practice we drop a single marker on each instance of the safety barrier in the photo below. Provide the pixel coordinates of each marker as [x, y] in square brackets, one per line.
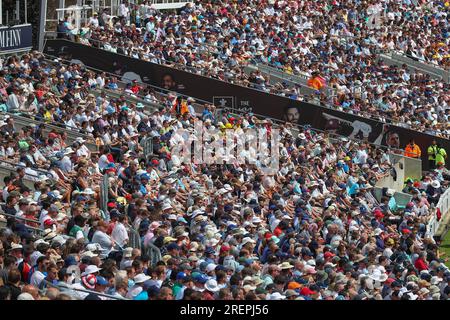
[20, 122]
[424, 66]
[299, 79]
[198, 71]
[389, 60]
[6, 168]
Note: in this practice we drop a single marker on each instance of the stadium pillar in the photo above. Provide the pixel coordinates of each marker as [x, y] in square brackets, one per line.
[42, 20]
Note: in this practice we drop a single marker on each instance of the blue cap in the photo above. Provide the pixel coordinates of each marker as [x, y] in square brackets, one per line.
[181, 219]
[81, 198]
[173, 246]
[70, 261]
[181, 276]
[101, 281]
[201, 278]
[248, 262]
[203, 265]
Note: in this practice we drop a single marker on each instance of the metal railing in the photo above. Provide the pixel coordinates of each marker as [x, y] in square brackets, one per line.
[295, 78]
[147, 145]
[391, 59]
[35, 231]
[104, 192]
[153, 252]
[72, 133]
[421, 65]
[66, 290]
[134, 237]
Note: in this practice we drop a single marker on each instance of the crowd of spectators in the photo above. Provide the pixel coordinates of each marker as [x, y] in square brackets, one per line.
[338, 41]
[314, 230]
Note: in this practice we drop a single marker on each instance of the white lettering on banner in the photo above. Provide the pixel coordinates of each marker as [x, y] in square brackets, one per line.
[255, 146]
[10, 38]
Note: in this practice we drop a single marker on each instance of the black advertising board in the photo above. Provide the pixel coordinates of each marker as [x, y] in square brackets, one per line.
[244, 98]
[15, 38]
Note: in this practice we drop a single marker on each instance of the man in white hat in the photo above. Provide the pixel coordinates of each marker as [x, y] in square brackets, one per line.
[139, 281]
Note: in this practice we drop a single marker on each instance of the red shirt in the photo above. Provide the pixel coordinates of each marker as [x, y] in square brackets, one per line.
[420, 265]
[135, 89]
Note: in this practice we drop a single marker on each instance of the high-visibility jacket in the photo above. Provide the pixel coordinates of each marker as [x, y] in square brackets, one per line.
[413, 151]
[441, 154]
[432, 150]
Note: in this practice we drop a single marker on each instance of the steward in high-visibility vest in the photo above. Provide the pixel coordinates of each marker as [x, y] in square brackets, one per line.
[432, 151]
[441, 156]
[412, 150]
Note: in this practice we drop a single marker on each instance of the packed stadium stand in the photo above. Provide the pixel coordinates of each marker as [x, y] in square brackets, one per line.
[97, 203]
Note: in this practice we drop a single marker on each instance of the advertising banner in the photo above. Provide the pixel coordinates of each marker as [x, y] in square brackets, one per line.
[15, 38]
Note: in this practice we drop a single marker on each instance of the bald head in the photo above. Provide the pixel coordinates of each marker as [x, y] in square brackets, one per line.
[52, 293]
[31, 290]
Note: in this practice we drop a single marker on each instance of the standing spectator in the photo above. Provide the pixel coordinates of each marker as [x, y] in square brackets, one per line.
[432, 151]
[412, 150]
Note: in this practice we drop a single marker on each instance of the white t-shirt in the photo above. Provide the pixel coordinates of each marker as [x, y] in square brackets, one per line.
[119, 234]
[103, 162]
[83, 151]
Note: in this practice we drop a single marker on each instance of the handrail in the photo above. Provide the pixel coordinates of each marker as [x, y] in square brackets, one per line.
[16, 165]
[380, 118]
[20, 116]
[187, 68]
[71, 133]
[63, 288]
[21, 218]
[422, 61]
[384, 56]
